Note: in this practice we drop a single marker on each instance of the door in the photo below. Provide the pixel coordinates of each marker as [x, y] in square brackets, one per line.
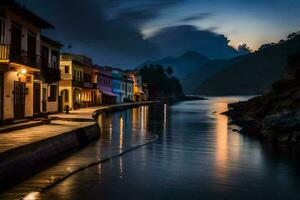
[1, 97]
[15, 48]
[19, 100]
[44, 100]
[36, 98]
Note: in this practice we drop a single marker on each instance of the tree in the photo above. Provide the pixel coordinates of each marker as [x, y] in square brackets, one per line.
[169, 71]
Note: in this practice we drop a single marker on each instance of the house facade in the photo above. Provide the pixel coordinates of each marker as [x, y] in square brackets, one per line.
[128, 87]
[105, 86]
[20, 62]
[137, 85]
[118, 85]
[96, 94]
[50, 74]
[71, 84]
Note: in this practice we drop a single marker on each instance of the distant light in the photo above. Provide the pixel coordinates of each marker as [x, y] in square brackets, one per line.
[32, 196]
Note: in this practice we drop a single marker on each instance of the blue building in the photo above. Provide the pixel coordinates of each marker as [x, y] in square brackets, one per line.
[118, 85]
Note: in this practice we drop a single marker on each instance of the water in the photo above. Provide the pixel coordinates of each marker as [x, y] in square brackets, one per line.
[197, 156]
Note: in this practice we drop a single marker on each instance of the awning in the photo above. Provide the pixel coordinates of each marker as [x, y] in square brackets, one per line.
[107, 92]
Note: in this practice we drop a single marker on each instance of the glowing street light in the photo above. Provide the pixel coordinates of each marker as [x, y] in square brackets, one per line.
[23, 71]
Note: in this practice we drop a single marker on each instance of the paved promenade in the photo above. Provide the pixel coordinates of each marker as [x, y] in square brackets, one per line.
[26, 136]
[87, 113]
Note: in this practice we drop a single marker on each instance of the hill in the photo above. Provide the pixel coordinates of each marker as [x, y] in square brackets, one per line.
[188, 62]
[252, 73]
[191, 81]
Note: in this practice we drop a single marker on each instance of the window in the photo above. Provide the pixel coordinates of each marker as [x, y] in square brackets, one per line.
[74, 74]
[1, 31]
[80, 76]
[67, 69]
[54, 59]
[44, 57]
[53, 93]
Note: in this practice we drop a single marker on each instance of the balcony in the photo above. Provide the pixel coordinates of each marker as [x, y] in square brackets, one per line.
[66, 76]
[87, 85]
[18, 56]
[50, 75]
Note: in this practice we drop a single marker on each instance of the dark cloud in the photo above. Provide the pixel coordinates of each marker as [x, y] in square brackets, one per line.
[199, 16]
[176, 40]
[109, 30]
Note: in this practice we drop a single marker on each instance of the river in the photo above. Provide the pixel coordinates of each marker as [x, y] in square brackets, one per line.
[192, 154]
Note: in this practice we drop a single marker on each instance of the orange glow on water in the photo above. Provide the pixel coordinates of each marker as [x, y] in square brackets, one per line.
[221, 141]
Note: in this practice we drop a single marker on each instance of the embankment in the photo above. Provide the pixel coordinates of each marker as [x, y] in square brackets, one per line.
[23, 162]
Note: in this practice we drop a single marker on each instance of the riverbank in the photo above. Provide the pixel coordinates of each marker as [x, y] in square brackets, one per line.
[29, 150]
[274, 116]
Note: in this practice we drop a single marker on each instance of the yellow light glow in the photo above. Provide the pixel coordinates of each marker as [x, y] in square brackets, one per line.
[23, 71]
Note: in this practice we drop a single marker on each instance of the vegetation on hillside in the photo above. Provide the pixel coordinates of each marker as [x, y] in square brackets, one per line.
[252, 73]
[276, 114]
[161, 84]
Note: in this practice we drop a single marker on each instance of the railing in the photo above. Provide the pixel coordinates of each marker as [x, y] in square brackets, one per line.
[66, 76]
[4, 51]
[87, 85]
[50, 75]
[77, 83]
[19, 56]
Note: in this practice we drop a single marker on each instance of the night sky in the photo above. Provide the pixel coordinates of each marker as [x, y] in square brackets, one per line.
[127, 32]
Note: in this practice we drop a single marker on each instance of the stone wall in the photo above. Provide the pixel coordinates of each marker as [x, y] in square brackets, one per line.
[21, 163]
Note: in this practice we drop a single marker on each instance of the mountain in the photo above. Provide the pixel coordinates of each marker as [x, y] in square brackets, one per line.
[191, 81]
[252, 73]
[182, 65]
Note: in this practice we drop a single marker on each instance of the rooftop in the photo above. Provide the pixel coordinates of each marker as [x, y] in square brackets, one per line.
[25, 14]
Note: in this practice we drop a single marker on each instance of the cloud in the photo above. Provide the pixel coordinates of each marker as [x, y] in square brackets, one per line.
[197, 17]
[110, 31]
[176, 40]
[107, 30]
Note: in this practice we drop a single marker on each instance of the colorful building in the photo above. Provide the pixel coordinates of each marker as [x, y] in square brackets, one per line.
[105, 86]
[96, 94]
[118, 85]
[50, 74]
[137, 85]
[128, 87]
[71, 84]
[20, 62]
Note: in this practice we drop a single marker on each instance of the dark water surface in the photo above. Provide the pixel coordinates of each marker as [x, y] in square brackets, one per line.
[197, 156]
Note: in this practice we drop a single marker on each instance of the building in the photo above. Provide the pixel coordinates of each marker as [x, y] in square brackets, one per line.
[137, 85]
[128, 87]
[145, 95]
[96, 94]
[118, 85]
[50, 74]
[71, 84]
[20, 62]
[105, 86]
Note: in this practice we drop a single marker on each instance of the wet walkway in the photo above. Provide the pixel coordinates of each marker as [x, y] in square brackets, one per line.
[87, 113]
[18, 138]
[84, 116]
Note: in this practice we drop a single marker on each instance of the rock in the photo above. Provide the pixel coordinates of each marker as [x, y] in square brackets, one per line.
[281, 125]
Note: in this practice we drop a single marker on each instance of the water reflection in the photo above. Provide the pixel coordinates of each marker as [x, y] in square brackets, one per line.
[196, 157]
[221, 144]
[121, 133]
